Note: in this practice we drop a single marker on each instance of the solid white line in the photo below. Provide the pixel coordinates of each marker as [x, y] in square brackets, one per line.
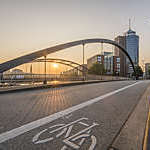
[35, 124]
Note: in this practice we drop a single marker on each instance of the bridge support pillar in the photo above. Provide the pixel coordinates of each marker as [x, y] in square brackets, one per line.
[1, 77]
[45, 81]
[102, 52]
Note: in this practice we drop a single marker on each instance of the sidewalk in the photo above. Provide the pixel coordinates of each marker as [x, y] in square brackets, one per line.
[132, 134]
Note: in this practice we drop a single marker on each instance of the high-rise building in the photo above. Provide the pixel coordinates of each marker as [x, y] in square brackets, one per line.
[132, 47]
[121, 40]
[130, 41]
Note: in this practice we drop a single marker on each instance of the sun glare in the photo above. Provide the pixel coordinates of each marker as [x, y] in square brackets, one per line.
[55, 65]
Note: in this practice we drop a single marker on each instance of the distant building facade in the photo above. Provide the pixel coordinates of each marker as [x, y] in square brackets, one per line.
[117, 66]
[111, 63]
[95, 59]
[108, 62]
[147, 68]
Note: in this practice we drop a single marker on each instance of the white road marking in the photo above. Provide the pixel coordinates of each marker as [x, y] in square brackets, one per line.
[62, 127]
[61, 133]
[83, 139]
[80, 135]
[35, 124]
[84, 124]
[69, 131]
[35, 138]
[67, 125]
[64, 148]
[93, 143]
[66, 128]
[82, 131]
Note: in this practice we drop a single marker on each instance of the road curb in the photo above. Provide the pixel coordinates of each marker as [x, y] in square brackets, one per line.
[132, 134]
[54, 85]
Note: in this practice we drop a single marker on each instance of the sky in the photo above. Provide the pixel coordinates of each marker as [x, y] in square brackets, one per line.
[31, 25]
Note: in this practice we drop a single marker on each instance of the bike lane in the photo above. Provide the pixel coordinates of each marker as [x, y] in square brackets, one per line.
[92, 127]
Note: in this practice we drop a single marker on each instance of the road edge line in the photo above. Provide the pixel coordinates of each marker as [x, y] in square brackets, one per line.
[146, 130]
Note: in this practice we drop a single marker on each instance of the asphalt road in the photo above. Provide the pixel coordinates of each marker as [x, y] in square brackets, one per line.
[67, 118]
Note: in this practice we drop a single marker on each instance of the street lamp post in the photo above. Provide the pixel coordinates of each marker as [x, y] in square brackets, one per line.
[84, 75]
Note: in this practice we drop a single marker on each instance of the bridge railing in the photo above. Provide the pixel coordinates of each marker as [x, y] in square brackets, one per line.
[11, 79]
[105, 77]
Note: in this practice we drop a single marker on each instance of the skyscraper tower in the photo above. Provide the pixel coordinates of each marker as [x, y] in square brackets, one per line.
[130, 41]
[132, 45]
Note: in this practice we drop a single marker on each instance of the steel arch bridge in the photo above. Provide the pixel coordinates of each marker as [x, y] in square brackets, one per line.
[64, 62]
[32, 56]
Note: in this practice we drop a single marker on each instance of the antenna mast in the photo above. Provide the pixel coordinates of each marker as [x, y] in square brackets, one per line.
[129, 24]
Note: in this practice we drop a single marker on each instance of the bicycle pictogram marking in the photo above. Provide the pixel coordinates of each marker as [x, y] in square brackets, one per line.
[69, 140]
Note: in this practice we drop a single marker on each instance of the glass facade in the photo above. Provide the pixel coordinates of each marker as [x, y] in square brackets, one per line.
[108, 62]
[132, 47]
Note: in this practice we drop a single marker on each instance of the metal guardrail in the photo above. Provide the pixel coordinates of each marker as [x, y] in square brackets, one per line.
[8, 78]
[13, 79]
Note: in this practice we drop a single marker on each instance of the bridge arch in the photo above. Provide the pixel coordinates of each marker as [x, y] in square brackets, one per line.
[64, 62]
[32, 56]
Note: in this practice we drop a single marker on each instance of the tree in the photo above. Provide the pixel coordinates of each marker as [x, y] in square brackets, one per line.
[138, 71]
[97, 69]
